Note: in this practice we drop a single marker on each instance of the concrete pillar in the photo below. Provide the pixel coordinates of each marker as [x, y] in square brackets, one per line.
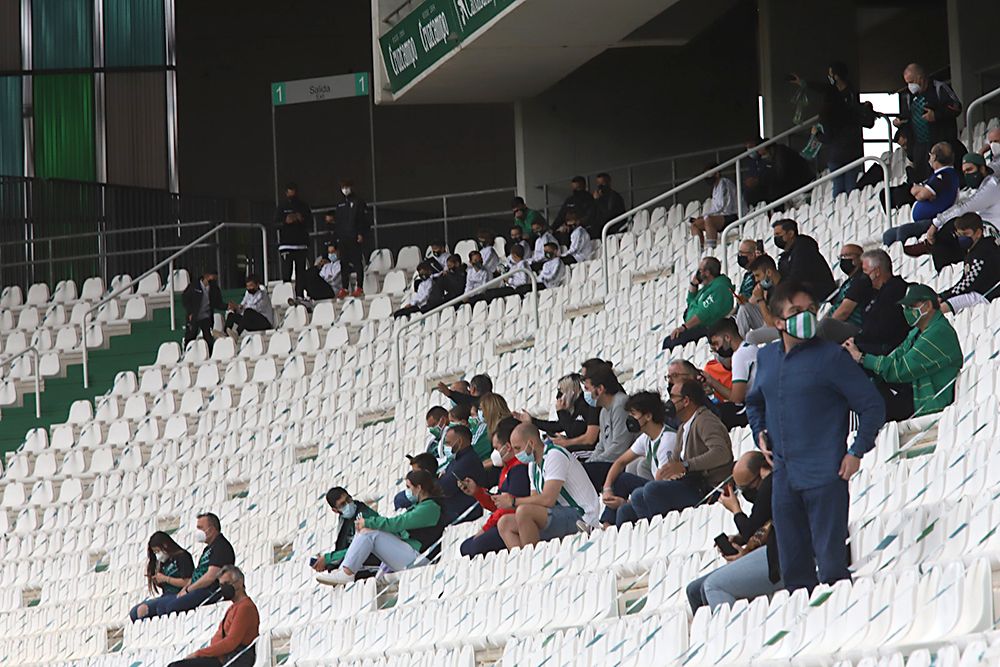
[969, 33]
[801, 37]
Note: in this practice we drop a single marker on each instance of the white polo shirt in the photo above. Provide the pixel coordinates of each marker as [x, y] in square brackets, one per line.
[577, 491]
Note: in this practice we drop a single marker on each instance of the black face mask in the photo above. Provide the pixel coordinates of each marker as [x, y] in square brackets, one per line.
[779, 242]
[632, 424]
[228, 591]
[743, 261]
[549, 255]
[725, 352]
[749, 494]
[671, 409]
[847, 266]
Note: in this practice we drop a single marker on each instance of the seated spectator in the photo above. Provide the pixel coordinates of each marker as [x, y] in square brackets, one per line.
[718, 375]
[524, 217]
[748, 316]
[463, 463]
[933, 196]
[562, 496]
[980, 281]
[254, 313]
[200, 299]
[348, 509]
[168, 570]
[449, 284]
[740, 359]
[476, 275]
[460, 414]
[801, 260]
[492, 410]
[323, 281]
[204, 586]
[439, 256]
[542, 237]
[609, 204]
[232, 644]
[468, 392]
[754, 570]
[766, 277]
[647, 415]
[400, 542]
[577, 423]
[723, 211]
[425, 461]
[437, 421]
[701, 460]
[991, 150]
[580, 202]
[847, 305]
[422, 285]
[929, 360]
[779, 171]
[519, 283]
[513, 480]
[580, 248]
[485, 239]
[709, 299]
[517, 239]
[553, 271]
[883, 326]
[601, 389]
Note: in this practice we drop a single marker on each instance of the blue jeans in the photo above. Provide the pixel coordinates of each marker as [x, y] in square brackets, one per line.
[812, 531]
[388, 548]
[846, 181]
[153, 605]
[623, 487]
[660, 497]
[742, 579]
[562, 522]
[189, 601]
[909, 230]
[487, 543]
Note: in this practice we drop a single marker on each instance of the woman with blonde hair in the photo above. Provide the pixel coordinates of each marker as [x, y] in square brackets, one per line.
[492, 409]
[577, 423]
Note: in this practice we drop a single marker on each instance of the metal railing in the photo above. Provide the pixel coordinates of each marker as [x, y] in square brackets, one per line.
[738, 225]
[979, 101]
[462, 298]
[735, 161]
[169, 262]
[36, 357]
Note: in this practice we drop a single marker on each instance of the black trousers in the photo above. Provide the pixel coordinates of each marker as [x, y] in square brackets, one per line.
[294, 259]
[249, 320]
[351, 261]
[317, 288]
[193, 327]
[732, 414]
[247, 659]
[685, 337]
[898, 400]
[597, 471]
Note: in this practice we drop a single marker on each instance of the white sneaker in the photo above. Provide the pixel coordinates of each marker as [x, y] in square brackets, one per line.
[336, 578]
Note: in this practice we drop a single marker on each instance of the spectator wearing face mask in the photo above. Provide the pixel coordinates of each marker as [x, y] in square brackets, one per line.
[419, 299]
[348, 509]
[253, 313]
[709, 299]
[322, 281]
[218, 552]
[933, 196]
[928, 110]
[754, 570]
[766, 277]
[518, 239]
[476, 275]
[291, 218]
[426, 461]
[580, 202]
[883, 326]
[553, 271]
[168, 570]
[801, 260]
[562, 496]
[448, 284]
[493, 409]
[524, 217]
[654, 442]
[201, 298]
[929, 359]
[580, 248]
[748, 315]
[722, 212]
[400, 542]
[352, 225]
[799, 409]
[980, 281]
[485, 239]
[740, 359]
[438, 256]
[513, 480]
[543, 237]
[464, 464]
[577, 423]
[601, 389]
[847, 306]
[232, 644]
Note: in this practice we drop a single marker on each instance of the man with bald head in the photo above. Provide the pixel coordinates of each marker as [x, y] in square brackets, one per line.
[562, 495]
[848, 304]
[927, 112]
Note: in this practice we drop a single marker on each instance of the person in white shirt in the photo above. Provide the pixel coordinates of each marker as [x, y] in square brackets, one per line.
[542, 237]
[984, 200]
[476, 275]
[562, 496]
[580, 247]
[322, 280]
[553, 271]
[439, 256]
[723, 211]
[741, 358]
[491, 260]
[422, 285]
[519, 283]
[254, 313]
[647, 416]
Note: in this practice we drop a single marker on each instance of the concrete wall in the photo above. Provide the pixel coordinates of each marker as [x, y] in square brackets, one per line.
[971, 36]
[883, 52]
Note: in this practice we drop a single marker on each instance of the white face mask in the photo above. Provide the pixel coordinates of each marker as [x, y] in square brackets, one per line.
[914, 88]
[346, 191]
[200, 536]
[496, 458]
[995, 148]
[161, 557]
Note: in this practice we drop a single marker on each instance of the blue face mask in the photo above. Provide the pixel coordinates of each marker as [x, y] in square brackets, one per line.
[411, 496]
[766, 283]
[524, 457]
[349, 511]
[589, 398]
[965, 242]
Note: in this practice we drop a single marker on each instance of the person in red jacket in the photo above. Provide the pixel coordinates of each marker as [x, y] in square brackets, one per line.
[237, 631]
[513, 480]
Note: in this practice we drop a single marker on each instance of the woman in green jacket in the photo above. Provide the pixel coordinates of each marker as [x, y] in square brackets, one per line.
[398, 541]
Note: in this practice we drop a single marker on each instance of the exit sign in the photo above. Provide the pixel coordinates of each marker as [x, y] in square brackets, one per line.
[319, 89]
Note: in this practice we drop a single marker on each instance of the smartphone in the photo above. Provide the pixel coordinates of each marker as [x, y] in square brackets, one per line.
[725, 546]
[312, 562]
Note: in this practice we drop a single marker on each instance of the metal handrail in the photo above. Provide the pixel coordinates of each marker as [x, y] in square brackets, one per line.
[169, 261]
[449, 195]
[972, 105]
[38, 373]
[499, 280]
[683, 186]
[738, 224]
[106, 232]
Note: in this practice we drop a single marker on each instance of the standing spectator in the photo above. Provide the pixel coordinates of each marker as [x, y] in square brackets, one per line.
[423, 283]
[292, 219]
[562, 495]
[218, 552]
[352, 226]
[580, 201]
[517, 239]
[348, 509]
[231, 644]
[485, 238]
[576, 420]
[609, 204]
[883, 326]
[601, 389]
[928, 110]
[748, 316]
[741, 358]
[553, 271]
[933, 196]
[406, 540]
[754, 569]
[802, 260]
[524, 217]
[580, 247]
[709, 299]
[847, 305]
[980, 281]
[254, 313]
[201, 298]
[723, 211]
[168, 570]
[798, 410]
[929, 359]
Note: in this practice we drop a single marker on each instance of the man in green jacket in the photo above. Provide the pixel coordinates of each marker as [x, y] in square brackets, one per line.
[928, 360]
[709, 299]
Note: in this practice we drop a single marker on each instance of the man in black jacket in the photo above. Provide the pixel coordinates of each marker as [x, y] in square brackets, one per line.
[980, 281]
[351, 225]
[802, 261]
[448, 284]
[200, 299]
[292, 219]
[927, 112]
[579, 200]
[780, 171]
[610, 204]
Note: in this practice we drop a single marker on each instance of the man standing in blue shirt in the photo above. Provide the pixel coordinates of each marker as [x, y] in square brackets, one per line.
[805, 389]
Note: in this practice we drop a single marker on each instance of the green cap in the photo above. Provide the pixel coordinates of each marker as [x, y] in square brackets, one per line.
[974, 158]
[916, 293]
